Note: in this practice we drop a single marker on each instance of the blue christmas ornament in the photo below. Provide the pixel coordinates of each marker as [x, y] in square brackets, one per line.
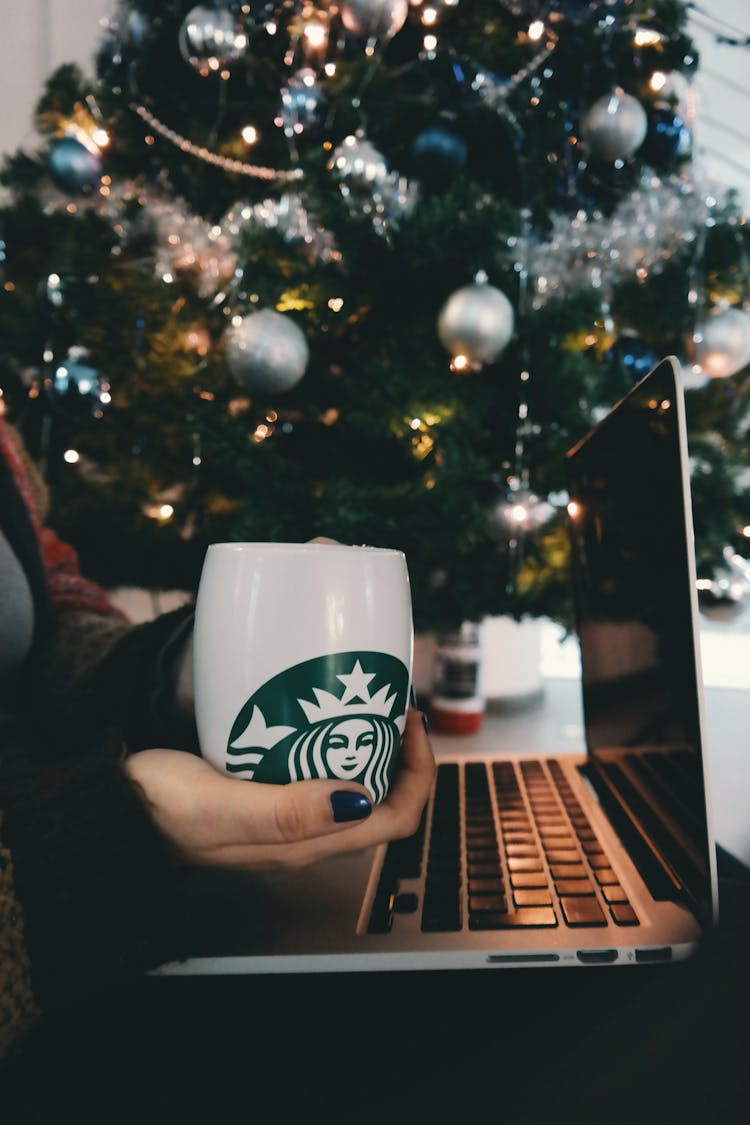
[72, 167]
[75, 376]
[437, 155]
[668, 137]
[632, 356]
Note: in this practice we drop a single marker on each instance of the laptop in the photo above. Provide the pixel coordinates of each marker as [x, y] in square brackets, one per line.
[530, 854]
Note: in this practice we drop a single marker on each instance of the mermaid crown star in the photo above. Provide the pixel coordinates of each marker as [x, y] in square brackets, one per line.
[356, 699]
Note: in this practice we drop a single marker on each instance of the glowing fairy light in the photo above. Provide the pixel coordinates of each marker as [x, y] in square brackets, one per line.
[316, 35]
[71, 456]
[647, 37]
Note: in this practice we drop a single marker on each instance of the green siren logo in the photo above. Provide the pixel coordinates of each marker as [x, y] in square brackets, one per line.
[335, 716]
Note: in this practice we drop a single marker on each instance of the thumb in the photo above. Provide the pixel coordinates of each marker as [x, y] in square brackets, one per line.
[300, 810]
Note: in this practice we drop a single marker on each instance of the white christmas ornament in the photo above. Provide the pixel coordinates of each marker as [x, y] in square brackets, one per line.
[477, 322]
[722, 342]
[374, 19]
[614, 126]
[266, 352]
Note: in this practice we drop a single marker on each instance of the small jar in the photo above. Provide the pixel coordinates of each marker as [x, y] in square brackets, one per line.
[456, 702]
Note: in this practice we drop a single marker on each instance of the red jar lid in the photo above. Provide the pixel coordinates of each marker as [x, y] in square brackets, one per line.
[455, 722]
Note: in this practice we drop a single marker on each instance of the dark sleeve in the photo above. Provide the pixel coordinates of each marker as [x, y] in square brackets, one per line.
[99, 889]
[96, 672]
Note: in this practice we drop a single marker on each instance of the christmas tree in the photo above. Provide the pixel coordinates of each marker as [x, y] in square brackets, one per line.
[367, 270]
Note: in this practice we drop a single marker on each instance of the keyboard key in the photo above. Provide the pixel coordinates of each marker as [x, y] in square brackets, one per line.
[441, 914]
[381, 915]
[528, 879]
[582, 912]
[485, 886]
[518, 864]
[483, 903]
[563, 856]
[614, 893]
[568, 871]
[597, 859]
[484, 870]
[606, 877]
[557, 830]
[574, 887]
[474, 856]
[624, 914]
[405, 903]
[521, 850]
[528, 917]
[539, 897]
[552, 843]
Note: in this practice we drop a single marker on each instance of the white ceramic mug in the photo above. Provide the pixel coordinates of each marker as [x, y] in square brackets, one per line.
[302, 661]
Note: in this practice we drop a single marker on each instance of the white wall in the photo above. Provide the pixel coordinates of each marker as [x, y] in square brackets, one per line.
[35, 37]
[722, 133]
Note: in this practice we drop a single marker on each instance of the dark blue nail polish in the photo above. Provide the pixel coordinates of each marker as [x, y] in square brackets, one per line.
[425, 723]
[347, 805]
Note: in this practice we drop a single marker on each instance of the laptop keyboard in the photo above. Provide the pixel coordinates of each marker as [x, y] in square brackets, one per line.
[543, 868]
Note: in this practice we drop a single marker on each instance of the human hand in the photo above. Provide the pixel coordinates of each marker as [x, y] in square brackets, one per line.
[216, 821]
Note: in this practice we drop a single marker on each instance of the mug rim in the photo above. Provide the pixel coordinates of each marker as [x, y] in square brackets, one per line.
[302, 548]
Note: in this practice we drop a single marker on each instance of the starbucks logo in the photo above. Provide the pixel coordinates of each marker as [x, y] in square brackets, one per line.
[335, 716]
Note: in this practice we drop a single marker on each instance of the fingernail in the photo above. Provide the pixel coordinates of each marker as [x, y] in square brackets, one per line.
[425, 723]
[347, 805]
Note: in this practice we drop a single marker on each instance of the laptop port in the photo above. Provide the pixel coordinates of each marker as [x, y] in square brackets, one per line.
[597, 956]
[661, 953]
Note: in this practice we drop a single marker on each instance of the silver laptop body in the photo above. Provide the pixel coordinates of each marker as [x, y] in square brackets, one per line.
[528, 853]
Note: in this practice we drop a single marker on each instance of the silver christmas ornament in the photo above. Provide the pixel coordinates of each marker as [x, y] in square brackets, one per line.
[614, 126]
[477, 322]
[374, 19]
[519, 510]
[722, 342]
[355, 158]
[301, 102]
[266, 352]
[75, 375]
[211, 39]
[723, 596]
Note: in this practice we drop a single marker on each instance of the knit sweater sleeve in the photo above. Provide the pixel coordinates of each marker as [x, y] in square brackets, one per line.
[90, 889]
[96, 891]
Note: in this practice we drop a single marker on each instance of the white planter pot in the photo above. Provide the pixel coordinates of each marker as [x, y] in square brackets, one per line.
[511, 667]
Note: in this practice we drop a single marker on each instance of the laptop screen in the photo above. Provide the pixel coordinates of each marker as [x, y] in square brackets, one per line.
[634, 584]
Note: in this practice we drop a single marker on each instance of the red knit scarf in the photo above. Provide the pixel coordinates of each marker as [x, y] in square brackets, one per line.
[67, 588]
